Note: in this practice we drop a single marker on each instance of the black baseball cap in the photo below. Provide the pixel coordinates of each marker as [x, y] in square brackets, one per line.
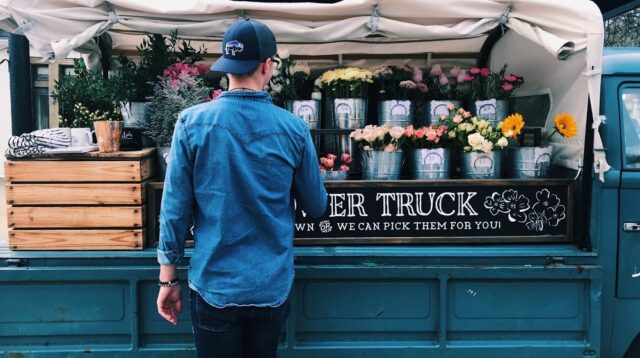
[246, 43]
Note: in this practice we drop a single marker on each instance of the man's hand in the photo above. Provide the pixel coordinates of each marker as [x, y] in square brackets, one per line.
[170, 303]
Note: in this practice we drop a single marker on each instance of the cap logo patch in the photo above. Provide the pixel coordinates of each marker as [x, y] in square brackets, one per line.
[233, 47]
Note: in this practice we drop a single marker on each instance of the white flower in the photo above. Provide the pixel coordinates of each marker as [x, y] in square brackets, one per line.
[381, 132]
[486, 146]
[396, 132]
[502, 142]
[276, 72]
[318, 82]
[390, 148]
[475, 140]
[283, 53]
[452, 134]
[277, 88]
[356, 135]
[316, 95]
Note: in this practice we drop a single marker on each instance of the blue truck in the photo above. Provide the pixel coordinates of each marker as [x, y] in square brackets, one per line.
[578, 296]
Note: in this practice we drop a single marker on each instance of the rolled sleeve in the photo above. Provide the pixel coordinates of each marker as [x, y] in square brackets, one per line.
[177, 199]
[308, 185]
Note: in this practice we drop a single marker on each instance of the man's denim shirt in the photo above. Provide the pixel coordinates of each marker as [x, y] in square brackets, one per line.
[236, 164]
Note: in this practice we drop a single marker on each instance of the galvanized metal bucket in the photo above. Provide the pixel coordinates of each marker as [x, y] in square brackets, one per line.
[349, 113]
[530, 162]
[163, 159]
[379, 165]
[431, 163]
[334, 175]
[395, 113]
[437, 108]
[481, 165]
[135, 114]
[307, 110]
[494, 111]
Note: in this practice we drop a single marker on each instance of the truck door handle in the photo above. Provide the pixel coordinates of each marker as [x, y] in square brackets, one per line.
[631, 227]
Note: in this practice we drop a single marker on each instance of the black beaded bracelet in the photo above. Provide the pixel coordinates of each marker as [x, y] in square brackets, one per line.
[168, 283]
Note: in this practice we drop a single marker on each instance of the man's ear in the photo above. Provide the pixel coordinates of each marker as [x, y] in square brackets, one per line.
[265, 67]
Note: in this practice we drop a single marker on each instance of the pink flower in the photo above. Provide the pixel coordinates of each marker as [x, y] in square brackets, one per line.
[474, 71]
[322, 169]
[485, 72]
[344, 168]
[510, 78]
[216, 93]
[431, 134]
[420, 133]
[436, 70]
[409, 131]
[329, 163]
[450, 107]
[462, 76]
[331, 156]
[202, 68]
[174, 84]
[346, 158]
[442, 130]
[417, 75]
[166, 73]
[457, 119]
[468, 78]
[178, 66]
[455, 72]
[422, 87]
[443, 79]
[507, 86]
[466, 115]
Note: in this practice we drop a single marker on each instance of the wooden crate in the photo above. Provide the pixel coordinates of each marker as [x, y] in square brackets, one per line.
[88, 201]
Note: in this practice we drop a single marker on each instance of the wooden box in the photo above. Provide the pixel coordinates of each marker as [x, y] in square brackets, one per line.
[90, 201]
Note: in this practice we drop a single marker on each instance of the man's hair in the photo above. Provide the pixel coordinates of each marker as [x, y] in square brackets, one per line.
[248, 74]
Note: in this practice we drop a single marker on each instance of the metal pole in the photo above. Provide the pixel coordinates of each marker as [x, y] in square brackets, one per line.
[20, 85]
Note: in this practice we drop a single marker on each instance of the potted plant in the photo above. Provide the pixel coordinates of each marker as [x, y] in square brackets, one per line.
[478, 141]
[444, 87]
[429, 152]
[157, 52]
[332, 169]
[535, 161]
[180, 87]
[291, 87]
[381, 148]
[397, 87]
[348, 87]
[491, 91]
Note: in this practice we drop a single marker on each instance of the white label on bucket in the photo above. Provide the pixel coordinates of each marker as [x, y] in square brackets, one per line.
[483, 162]
[487, 109]
[401, 108]
[304, 109]
[433, 156]
[439, 108]
[343, 106]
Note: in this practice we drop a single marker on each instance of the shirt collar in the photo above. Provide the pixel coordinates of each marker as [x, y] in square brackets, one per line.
[261, 96]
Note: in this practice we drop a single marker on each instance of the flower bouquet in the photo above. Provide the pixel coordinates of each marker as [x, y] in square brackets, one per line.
[381, 151]
[291, 87]
[491, 91]
[329, 163]
[479, 142]
[535, 161]
[444, 88]
[428, 146]
[348, 87]
[397, 87]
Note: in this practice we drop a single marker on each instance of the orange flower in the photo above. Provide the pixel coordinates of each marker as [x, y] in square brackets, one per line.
[566, 125]
[512, 125]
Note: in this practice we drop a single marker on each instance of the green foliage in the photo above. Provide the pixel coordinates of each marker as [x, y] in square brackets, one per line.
[623, 30]
[171, 97]
[87, 92]
[157, 52]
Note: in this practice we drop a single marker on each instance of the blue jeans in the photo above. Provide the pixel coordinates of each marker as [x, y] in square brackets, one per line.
[236, 331]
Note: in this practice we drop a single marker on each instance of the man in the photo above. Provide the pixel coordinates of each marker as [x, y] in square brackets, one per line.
[235, 166]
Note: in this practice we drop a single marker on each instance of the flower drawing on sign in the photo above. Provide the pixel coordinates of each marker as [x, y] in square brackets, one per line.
[516, 204]
[325, 226]
[547, 211]
[495, 204]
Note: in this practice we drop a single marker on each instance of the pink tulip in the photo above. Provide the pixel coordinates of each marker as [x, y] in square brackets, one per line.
[216, 93]
[507, 86]
[485, 72]
[474, 71]
[462, 76]
[409, 131]
[455, 72]
[420, 133]
[346, 158]
[422, 87]
[331, 156]
[323, 161]
[322, 169]
[344, 168]
[417, 75]
[443, 79]
[202, 68]
[468, 78]
[510, 78]
[431, 134]
[329, 163]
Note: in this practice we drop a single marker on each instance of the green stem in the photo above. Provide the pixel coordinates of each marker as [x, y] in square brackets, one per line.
[546, 141]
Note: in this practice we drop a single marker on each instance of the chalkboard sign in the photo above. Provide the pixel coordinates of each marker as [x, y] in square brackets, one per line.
[443, 211]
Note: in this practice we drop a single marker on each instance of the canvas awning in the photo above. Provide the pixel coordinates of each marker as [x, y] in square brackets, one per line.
[557, 45]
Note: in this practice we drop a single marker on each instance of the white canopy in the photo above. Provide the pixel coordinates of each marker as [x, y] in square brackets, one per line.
[556, 45]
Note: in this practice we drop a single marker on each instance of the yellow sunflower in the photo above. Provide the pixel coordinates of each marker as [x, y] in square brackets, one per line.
[512, 125]
[566, 125]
